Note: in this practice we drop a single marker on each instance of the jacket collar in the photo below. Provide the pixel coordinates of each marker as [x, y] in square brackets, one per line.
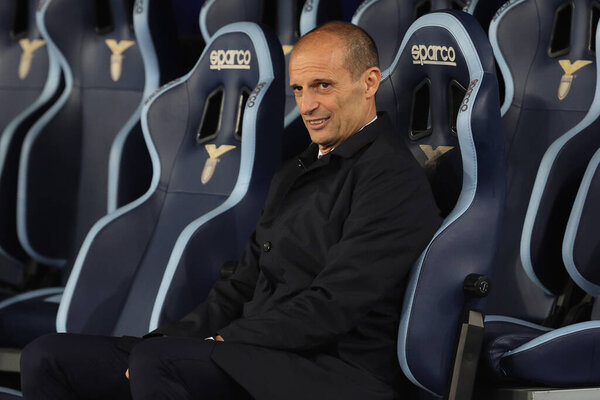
[353, 144]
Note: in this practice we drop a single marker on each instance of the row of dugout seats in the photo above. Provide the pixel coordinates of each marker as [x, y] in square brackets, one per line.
[513, 204]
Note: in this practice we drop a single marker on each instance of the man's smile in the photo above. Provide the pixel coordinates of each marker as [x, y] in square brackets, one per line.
[317, 123]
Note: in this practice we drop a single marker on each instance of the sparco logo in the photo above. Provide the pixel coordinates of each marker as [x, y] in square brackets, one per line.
[230, 59]
[436, 55]
[465, 104]
[254, 94]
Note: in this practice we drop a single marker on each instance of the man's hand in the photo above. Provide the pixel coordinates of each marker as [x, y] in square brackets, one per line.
[218, 338]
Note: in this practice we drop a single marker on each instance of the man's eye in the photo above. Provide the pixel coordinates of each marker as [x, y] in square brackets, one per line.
[324, 85]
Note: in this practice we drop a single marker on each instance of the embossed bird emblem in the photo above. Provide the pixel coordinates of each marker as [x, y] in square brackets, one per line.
[116, 58]
[433, 154]
[567, 79]
[210, 165]
[29, 48]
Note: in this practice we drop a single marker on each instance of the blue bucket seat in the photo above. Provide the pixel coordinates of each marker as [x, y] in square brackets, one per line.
[28, 315]
[64, 158]
[546, 52]
[26, 86]
[563, 211]
[214, 137]
[442, 93]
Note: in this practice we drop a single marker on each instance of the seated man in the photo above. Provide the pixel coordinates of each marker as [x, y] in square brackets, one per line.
[313, 308]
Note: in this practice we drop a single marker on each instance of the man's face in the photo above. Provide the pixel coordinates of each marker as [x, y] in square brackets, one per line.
[332, 104]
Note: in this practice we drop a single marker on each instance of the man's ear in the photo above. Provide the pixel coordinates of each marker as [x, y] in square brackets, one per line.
[371, 78]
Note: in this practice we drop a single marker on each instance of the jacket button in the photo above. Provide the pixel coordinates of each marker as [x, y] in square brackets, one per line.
[267, 247]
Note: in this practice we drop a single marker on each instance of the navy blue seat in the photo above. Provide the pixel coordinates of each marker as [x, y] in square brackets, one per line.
[442, 93]
[565, 196]
[28, 315]
[546, 54]
[63, 166]
[214, 136]
[26, 86]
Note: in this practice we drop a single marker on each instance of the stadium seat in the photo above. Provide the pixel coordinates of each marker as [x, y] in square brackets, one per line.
[26, 86]
[129, 165]
[387, 21]
[28, 315]
[64, 158]
[562, 357]
[442, 93]
[545, 50]
[214, 137]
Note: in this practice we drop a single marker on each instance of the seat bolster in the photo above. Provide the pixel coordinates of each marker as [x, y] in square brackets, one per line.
[26, 316]
[503, 334]
[567, 356]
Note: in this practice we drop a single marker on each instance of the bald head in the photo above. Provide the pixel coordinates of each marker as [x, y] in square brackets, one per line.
[360, 51]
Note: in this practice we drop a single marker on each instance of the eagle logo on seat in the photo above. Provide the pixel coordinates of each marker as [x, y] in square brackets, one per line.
[210, 165]
[116, 58]
[29, 48]
[434, 154]
[287, 49]
[567, 79]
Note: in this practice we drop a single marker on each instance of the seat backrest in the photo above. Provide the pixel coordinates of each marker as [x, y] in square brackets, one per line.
[544, 50]
[442, 93]
[24, 74]
[63, 166]
[214, 138]
[581, 244]
[387, 21]
[130, 168]
[483, 10]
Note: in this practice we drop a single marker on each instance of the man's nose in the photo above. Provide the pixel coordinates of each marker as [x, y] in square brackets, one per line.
[307, 104]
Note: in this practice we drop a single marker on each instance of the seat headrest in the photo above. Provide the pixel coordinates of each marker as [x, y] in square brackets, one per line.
[24, 61]
[438, 70]
[387, 21]
[98, 43]
[555, 39]
[216, 14]
[226, 91]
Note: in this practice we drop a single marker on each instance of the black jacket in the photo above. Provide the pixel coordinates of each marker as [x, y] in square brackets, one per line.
[313, 308]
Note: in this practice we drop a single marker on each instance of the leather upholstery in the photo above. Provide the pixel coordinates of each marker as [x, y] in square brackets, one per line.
[420, 91]
[63, 166]
[120, 267]
[26, 87]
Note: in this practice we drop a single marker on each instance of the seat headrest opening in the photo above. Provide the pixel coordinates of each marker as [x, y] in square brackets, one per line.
[20, 24]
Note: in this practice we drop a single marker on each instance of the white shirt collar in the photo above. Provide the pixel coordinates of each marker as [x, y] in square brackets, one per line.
[368, 123]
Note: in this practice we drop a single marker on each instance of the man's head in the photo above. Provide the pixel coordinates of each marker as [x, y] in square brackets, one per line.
[334, 73]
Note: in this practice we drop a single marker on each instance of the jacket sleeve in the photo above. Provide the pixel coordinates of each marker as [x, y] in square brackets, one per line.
[392, 218]
[224, 302]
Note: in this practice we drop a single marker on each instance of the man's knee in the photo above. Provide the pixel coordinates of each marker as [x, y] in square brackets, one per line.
[42, 351]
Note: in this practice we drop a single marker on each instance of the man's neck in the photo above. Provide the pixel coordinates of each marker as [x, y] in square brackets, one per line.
[321, 154]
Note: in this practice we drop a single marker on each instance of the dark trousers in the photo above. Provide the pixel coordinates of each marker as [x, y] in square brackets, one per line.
[68, 366]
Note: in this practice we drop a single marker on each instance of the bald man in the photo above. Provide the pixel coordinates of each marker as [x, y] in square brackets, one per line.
[313, 308]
